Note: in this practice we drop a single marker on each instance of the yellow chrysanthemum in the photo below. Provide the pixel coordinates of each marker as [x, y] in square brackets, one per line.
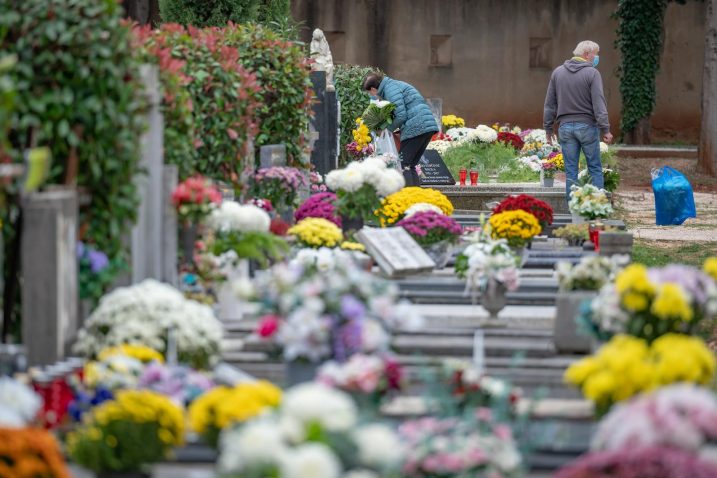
[517, 227]
[317, 232]
[223, 406]
[352, 246]
[671, 302]
[395, 205]
[361, 134]
[558, 161]
[452, 121]
[139, 352]
[710, 267]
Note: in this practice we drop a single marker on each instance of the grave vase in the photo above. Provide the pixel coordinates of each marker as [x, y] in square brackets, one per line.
[493, 298]
[440, 252]
[565, 327]
[546, 181]
[299, 371]
[351, 223]
[230, 306]
[188, 237]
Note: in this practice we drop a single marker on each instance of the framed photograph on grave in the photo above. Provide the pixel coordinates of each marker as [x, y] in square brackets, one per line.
[435, 171]
[395, 251]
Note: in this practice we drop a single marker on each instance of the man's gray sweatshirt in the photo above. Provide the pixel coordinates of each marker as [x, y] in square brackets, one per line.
[575, 94]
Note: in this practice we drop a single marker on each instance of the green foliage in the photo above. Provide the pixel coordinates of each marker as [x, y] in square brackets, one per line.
[282, 75]
[489, 159]
[640, 35]
[348, 80]
[77, 93]
[260, 246]
[222, 99]
[7, 98]
[243, 83]
[212, 13]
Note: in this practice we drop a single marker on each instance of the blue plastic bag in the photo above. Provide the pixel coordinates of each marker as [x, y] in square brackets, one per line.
[674, 201]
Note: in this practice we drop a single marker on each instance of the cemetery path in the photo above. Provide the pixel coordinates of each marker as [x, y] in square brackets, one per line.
[638, 207]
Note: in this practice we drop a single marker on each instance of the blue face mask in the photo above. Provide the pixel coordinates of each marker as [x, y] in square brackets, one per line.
[596, 60]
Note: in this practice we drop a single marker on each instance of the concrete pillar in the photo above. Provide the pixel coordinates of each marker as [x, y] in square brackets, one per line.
[49, 264]
[147, 233]
[170, 178]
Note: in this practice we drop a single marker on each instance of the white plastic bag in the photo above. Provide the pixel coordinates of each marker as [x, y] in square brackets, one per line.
[384, 145]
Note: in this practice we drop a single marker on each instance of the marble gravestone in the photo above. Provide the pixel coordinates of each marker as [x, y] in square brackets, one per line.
[395, 251]
[434, 170]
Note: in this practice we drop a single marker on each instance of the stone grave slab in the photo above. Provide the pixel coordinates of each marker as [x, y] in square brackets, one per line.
[434, 169]
[395, 251]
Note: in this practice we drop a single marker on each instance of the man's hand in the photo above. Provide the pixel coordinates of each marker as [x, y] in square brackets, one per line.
[607, 138]
[550, 139]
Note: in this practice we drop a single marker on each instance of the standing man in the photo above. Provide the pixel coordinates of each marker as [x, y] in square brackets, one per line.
[576, 101]
[412, 115]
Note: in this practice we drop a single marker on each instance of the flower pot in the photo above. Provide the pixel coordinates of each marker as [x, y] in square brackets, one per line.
[188, 237]
[612, 243]
[440, 252]
[474, 178]
[349, 224]
[493, 298]
[547, 182]
[565, 326]
[522, 254]
[297, 372]
[230, 307]
[462, 174]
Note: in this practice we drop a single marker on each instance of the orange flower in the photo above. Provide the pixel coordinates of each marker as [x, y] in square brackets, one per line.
[28, 453]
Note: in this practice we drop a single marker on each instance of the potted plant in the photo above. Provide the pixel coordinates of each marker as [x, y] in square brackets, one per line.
[280, 185]
[125, 436]
[360, 188]
[194, 198]
[547, 173]
[578, 284]
[574, 234]
[591, 203]
[517, 227]
[316, 232]
[435, 232]
[542, 211]
[489, 267]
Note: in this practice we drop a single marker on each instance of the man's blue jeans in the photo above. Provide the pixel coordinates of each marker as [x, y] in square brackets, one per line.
[574, 137]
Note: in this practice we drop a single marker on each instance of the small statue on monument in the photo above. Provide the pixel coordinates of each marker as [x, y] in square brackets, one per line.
[321, 54]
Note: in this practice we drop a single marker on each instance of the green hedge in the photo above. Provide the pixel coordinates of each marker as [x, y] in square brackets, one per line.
[348, 80]
[243, 78]
[78, 94]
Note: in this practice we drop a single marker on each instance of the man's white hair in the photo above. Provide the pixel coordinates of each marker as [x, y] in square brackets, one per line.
[585, 47]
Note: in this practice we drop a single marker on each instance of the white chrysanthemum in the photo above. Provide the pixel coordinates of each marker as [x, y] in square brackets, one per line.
[19, 404]
[422, 207]
[305, 334]
[349, 179]
[259, 442]
[441, 146]
[374, 337]
[232, 216]
[378, 446]
[604, 148]
[313, 460]
[391, 181]
[316, 403]
[382, 103]
[486, 134]
[143, 313]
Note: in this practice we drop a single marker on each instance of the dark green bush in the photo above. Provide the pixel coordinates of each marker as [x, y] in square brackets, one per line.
[217, 13]
[78, 94]
[348, 80]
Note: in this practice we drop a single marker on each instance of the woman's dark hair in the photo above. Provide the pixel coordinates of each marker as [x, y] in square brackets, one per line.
[372, 80]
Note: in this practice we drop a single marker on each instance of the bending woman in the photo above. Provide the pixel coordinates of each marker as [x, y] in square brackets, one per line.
[412, 116]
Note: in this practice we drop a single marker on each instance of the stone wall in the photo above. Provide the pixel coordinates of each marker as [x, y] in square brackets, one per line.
[490, 60]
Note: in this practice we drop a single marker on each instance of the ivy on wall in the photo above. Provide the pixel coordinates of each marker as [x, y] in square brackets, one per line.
[640, 36]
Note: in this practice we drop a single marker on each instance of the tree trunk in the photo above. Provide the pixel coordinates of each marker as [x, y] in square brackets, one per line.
[707, 162]
[640, 134]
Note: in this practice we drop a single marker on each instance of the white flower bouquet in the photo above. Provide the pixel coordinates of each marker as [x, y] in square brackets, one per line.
[591, 273]
[19, 404]
[441, 146]
[589, 202]
[315, 434]
[144, 314]
[243, 229]
[486, 134]
[533, 162]
[462, 135]
[361, 186]
[488, 260]
[422, 207]
[322, 306]
[378, 115]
